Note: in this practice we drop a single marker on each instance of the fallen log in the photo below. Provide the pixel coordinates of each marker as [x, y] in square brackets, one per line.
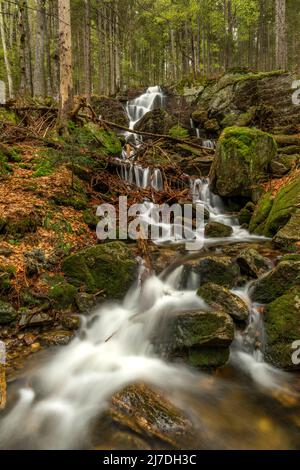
[2, 387]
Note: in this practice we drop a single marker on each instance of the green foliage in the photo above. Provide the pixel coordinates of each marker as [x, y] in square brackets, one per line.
[178, 131]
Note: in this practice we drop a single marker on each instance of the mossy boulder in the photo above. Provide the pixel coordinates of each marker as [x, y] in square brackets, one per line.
[252, 264]
[283, 164]
[19, 223]
[110, 267]
[221, 270]
[201, 339]
[282, 323]
[200, 115]
[289, 235]
[277, 282]
[217, 230]
[219, 297]
[246, 214]
[242, 161]
[7, 313]
[157, 121]
[273, 214]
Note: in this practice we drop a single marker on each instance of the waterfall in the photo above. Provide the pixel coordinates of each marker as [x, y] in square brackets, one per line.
[136, 109]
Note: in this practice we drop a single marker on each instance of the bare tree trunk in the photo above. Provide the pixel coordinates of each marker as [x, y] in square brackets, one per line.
[281, 42]
[87, 49]
[5, 54]
[39, 78]
[65, 61]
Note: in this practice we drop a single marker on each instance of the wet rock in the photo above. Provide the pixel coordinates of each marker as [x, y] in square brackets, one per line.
[242, 161]
[71, 322]
[246, 213]
[277, 282]
[252, 263]
[38, 319]
[216, 230]
[109, 267]
[157, 121]
[144, 412]
[110, 109]
[282, 322]
[85, 302]
[201, 339]
[7, 313]
[219, 297]
[220, 270]
[56, 337]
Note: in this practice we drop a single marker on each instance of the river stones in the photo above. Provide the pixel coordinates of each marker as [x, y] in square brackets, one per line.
[109, 267]
[217, 230]
[220, 298]
[282, 323]
[252, 263]
[7, 313]
[221, 270]
[141, 417]
[277, 282]
[199, 338]
[242, 160]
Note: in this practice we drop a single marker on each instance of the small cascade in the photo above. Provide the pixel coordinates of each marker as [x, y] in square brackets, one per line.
[141, 177]
[136, 109]
[209, 144]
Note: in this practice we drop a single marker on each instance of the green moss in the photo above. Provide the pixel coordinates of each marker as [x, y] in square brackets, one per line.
[207, 358]
[90, 218]
[242, 161]
[291, 257]
[92, 135]
[7, 313]
[18, 227]
[8, 115]
[290, 150]
[63, 294]
[220, 270]
[109, 267]
[282, 328]
[6, 276]
[261, 213]
[221, 297]
[216, 230]
[179, 132]
[246, 213]
[5, 168]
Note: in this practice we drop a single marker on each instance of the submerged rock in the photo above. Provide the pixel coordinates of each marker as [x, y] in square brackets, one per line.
[216, 230]
[7, 313]
[252, 263]
[109, 267]
[282, 322]
[221, 298]
[242, 160]
[277, 282]
[221, 270]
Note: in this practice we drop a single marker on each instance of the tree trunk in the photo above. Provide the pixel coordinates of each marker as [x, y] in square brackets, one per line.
[65, 61]
[280, 30]
[5, 54]
[87, 49]
[39, 79]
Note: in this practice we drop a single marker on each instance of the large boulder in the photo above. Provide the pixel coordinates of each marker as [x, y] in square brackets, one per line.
[221, 270]
[221, 298]
[252, 263]
[110, 109]
[282, 322]
[277, 282]
[242, 160]
[199, 338]
[109, 267]
[279, 216]
[7, 313]
[157, 121]
[217, 230]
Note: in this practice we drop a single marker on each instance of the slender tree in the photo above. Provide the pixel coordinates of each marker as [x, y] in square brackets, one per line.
[65, 61]
[280, 30]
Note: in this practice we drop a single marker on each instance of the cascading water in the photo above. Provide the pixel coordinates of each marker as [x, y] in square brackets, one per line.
[114, 349]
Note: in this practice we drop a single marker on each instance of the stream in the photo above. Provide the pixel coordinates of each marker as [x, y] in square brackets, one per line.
[247, 405]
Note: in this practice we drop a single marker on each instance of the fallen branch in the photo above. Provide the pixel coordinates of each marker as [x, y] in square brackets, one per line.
[2, 387]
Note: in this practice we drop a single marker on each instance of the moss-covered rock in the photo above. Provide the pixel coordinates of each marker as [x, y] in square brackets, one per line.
[110, 109]
[200, 115]
[277, 282]
[219, 297]
[110, 267]
[199, 338]
[157, 121]
[246, 214]
[19, 223]
[252, 263]
[90, 218]
[217, 230]
[289, 235]
[62, 294]
[282, 322]
[242, 161]
[7, 313]
[283, 164]
[273, 214]
[221, 270]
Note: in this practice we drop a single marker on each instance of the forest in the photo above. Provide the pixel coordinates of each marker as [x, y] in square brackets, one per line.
[149, 226]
